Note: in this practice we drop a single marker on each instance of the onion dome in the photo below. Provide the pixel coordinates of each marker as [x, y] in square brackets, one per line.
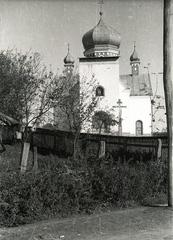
[134, 57]
[69, 60]
[101, 41]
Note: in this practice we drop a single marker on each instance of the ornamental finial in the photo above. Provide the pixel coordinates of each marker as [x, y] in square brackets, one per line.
[134, 45]
[101, 7]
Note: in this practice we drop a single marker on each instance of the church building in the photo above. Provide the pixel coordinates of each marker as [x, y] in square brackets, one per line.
[126, 98]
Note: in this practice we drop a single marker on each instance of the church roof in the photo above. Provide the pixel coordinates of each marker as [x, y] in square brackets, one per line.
[140, 85]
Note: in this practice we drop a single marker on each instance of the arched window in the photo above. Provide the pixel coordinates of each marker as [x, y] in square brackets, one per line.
[139, 128]
[100, 91]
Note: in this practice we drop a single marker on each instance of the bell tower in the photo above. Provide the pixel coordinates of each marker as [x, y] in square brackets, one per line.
[69, 62]
[135, 62]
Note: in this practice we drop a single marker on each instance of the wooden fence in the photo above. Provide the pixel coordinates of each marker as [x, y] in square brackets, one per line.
[61, 143]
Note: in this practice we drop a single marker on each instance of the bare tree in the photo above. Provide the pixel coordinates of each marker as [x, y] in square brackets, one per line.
[76, 106]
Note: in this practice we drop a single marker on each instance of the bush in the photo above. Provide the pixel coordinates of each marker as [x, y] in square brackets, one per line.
[54, 191]
[63, 187]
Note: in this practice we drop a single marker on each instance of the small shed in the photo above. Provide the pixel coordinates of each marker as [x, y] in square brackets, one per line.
[7, 127]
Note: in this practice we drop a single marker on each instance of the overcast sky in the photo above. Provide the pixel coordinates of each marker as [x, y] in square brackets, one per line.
[47, 26]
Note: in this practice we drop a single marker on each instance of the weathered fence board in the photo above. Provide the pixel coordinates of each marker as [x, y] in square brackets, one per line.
[61, 142]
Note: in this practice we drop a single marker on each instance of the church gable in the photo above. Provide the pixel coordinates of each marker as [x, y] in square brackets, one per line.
[139, 85]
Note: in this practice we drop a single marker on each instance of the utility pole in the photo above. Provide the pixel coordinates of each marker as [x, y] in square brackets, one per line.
[120, 116]
[168, 87]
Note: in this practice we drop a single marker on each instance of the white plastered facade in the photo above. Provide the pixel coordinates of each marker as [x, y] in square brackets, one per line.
[106, 75]
[134, 108]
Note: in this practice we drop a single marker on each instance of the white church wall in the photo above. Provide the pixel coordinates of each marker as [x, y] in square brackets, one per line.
[125, 99]
[106, 74]
[139, 109]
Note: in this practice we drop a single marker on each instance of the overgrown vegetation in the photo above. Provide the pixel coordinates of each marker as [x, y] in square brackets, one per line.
[63, 187]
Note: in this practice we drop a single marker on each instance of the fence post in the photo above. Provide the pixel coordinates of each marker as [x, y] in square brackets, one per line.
[102, 149]
[35, 165]
[24, 157]
[159, 149]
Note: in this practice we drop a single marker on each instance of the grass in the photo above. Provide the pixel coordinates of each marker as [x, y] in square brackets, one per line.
[61, 188]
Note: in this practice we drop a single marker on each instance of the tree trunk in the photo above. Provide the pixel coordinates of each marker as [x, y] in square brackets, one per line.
[99, 139]
[168, 87]
[76, 138]
[24, 156]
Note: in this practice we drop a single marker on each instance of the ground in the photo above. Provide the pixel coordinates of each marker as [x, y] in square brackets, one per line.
[152, 222]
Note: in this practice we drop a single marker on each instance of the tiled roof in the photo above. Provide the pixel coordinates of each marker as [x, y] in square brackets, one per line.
[139, 85]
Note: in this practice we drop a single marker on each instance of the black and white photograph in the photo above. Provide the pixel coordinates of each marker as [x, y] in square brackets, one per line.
[86, 119]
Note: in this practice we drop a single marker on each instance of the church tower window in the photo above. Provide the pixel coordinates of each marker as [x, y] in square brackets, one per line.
[139, 128]
[100, 91]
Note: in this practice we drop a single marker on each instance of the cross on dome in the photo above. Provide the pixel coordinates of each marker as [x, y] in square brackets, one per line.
[134, 45]
[101, 7]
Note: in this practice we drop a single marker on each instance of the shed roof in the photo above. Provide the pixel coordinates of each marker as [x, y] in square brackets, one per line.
[8, 120]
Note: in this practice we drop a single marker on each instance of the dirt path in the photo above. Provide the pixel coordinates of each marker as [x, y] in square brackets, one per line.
[132, 224]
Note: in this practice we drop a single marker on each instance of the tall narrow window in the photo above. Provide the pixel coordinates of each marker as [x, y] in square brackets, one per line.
[100, 91]
[139, 128]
